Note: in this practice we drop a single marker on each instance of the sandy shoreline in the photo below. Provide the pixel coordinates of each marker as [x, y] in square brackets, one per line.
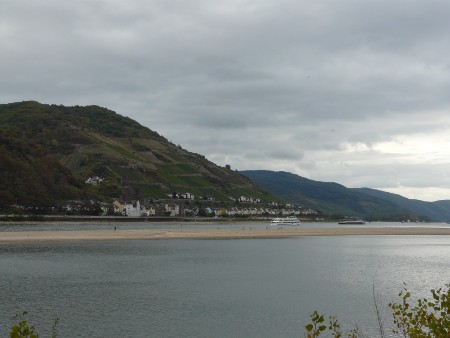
[159, 234]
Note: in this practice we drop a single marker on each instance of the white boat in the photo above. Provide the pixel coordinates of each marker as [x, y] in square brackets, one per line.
[285, 221]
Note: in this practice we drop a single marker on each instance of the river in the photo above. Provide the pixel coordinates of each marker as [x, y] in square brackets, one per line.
[213, 288]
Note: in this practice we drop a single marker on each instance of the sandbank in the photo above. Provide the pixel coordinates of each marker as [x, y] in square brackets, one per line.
[244, 233]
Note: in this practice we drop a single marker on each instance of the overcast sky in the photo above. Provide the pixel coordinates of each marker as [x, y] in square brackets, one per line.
[350, 91]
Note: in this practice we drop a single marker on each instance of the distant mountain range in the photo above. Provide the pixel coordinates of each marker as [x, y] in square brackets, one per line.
[48, 152]
[336, 199]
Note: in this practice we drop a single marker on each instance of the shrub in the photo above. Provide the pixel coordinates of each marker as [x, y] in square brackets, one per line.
[427, 318]
[24, 330]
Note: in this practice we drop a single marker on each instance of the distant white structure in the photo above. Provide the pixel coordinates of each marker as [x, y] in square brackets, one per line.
[95, 180]
[151, 211]
[135, 210]
[187, 196]
[183, 195]
[249, 199]
[172, 208]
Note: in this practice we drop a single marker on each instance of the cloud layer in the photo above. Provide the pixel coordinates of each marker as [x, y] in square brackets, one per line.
[355, 92]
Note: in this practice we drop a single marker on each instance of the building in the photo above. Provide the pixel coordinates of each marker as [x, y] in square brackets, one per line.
[172, 209]
[135, 210]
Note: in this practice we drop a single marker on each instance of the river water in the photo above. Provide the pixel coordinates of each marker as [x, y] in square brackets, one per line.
[214, 288]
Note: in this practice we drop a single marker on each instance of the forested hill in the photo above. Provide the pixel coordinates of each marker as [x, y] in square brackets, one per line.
[438, 210]
[47, 152]
[333, 198]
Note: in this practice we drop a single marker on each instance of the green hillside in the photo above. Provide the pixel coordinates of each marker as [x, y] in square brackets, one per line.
[48, 151]
[438, 211]
[331, 198]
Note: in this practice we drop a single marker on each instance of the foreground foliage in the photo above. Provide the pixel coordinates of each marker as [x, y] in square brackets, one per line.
[22, 329]
[25, 330]
[428, 317]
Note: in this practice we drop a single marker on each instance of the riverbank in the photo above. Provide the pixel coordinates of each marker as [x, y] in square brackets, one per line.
[243, 233]
[7, 219]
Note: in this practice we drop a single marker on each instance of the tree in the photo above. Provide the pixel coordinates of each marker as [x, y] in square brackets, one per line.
[318, 326]
[428, 318]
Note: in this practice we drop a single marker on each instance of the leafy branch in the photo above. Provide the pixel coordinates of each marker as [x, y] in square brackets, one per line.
[428, 318]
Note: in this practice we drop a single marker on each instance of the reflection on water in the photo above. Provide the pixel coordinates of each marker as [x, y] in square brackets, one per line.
[213, 288]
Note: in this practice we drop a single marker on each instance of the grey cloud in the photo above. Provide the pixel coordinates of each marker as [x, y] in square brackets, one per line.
[284, 154]
[271, 84]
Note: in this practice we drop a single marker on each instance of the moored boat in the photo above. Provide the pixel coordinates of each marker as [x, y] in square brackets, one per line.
[285, 221]
[356, 221]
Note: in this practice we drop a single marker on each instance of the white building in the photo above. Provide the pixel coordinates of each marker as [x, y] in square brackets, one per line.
[95, 180]
[187, 196]
[135, 210]
[151, 211]
[173, 209]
